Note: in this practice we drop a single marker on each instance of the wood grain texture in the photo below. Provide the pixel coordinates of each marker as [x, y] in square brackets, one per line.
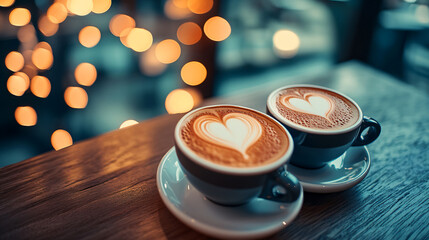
[105, 187]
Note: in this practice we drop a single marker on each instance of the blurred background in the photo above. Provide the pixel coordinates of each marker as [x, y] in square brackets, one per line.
[74, 69]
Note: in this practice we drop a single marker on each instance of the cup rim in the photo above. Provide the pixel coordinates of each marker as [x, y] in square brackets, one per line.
[290, 124]
[246, 171]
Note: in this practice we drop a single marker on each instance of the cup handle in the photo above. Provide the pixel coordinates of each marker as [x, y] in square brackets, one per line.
[374, 130]
[281, 186]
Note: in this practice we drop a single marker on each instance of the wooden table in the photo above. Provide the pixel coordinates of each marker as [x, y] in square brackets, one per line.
[105, 187]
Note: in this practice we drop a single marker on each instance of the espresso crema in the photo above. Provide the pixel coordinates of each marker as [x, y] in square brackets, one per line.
[316, 108]
[234, 137]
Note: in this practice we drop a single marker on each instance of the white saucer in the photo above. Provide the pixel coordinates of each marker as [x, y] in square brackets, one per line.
[256, 219]
[338, 175]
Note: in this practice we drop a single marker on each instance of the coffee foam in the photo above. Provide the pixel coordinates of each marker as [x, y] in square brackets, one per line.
[316, 108]
[234, 137]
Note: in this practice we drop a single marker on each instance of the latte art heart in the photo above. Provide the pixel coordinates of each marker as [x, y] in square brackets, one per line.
[310, 103]
[235, 131]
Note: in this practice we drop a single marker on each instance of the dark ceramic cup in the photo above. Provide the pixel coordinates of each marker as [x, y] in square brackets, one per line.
[227, 185]
[313, 148]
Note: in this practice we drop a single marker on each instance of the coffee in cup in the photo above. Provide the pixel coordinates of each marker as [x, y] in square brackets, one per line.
[229, 153]
[324, 123]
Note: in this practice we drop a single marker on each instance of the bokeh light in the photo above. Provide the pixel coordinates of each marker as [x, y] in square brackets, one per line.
[123, 36]
[57, 13]
[6, 3]
[196, 95]
[217, 29]
[26, 116]
[149, 64]
[176, 9]
[18, 83]
[61, 139]
[179, 101]
[128, 123]
[101, 6]
[30, 70]
[286, 43]
[193, 73]
[189, 33]
[42, 57]
[27, 34]
[121, 22]
[19, 17]
[85, 74]
[80, 7]
[14, 61]
[76, 97]
[47, 27]
[89, 36]
[40, 86]
[167, 51]
[199, 6]
[139, 39]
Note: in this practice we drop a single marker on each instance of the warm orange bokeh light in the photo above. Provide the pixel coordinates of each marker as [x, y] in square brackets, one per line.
[189, 33]
[40, 86]
[26, 116]
[42, 58]
[179, 101]
[57, 13]
[89, 36]
[121, 22]
[128, 123]
[27, 34]
[123, 36]
[76, 97]
[200, 7]
[217, 29]
[176, 9]
[85, 74]
[30, 70]
[61, 139]
[196, 95]
[101, 6]
[193, 73]
[18, 83]
[6, 3]
[149, 64]
[44, 45]
[14, 61]
[47, 27]
[19, 17]
[139, 39]
[167, 51]
[286, 43]
[80, 7]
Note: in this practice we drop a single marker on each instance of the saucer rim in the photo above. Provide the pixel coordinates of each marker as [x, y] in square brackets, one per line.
[219, 232]
[335, 187]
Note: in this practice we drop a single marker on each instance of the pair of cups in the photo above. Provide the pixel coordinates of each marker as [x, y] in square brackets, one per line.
[307, 148]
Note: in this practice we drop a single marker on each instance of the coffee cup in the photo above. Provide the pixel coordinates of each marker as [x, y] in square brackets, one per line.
[323, 123]
[233, 154]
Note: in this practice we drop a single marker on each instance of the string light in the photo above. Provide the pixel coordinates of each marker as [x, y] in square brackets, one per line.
[139, 39]
[40, 86]
[26, 116]
[189, 33]
[128, 123]
[121, 22]
[200, 7]
[61, 139]
[57, 13]
[76, 97]
[101, 6]
[193, 73]
[89, 36]
[179, 101]
[14, 61]
[42, 58]
[217, 29]
[80, 7]
[6, 3]
[19, 17]
[18, 83]
[47, 27]
[167, 51]
[85, 74]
